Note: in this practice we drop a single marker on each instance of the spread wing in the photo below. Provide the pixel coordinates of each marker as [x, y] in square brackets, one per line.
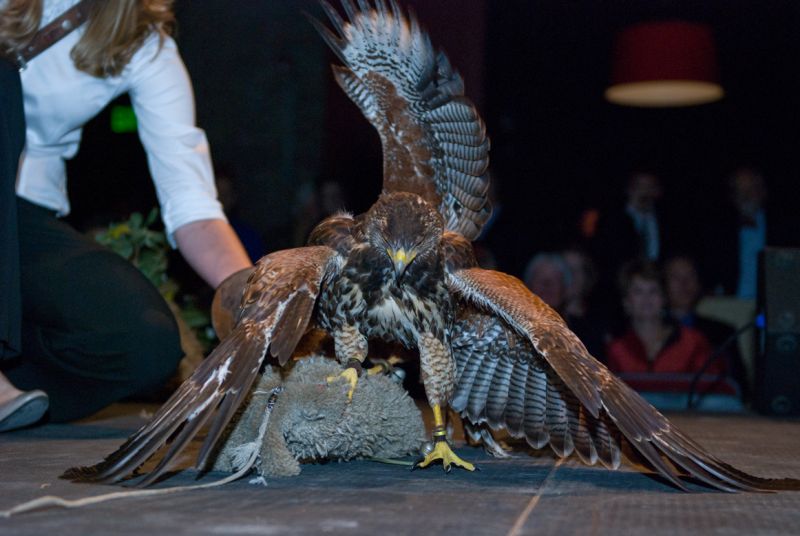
[276, 308]
[521, 368]
[434, 142]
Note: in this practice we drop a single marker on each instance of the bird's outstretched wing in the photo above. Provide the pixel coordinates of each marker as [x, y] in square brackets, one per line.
[521, 368]
[434, 141]
[277, 306]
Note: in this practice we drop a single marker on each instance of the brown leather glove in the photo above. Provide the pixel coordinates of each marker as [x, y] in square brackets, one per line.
[227, 299]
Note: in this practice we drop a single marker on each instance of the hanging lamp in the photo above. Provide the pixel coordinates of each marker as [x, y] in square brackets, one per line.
[663, 64]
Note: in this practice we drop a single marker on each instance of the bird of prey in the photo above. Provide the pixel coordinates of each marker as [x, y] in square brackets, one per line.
[404, 271]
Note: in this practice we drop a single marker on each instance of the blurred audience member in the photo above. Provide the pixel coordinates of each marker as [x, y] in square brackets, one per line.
[644, 191]
[684, 290]
[549, 276]
[633, 231]
[748, 224]
[657, 354]
[583, 314]
[584, 278]
[742, 235]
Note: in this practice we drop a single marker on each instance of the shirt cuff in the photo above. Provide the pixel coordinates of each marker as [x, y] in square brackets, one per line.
[174, 220]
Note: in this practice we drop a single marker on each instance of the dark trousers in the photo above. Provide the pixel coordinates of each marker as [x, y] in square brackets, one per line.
[12, 139]
[94, 330]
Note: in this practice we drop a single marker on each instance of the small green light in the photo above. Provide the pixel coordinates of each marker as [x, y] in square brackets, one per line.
[123, 120]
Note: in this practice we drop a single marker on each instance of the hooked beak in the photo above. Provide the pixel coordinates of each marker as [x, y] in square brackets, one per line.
[401, 259]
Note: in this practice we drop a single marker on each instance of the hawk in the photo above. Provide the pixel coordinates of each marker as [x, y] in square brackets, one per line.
[404, 271]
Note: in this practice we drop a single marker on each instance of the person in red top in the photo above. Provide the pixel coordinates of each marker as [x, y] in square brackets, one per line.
[657, 354]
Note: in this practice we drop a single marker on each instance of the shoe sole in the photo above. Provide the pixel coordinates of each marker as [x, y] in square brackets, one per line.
[26, 414]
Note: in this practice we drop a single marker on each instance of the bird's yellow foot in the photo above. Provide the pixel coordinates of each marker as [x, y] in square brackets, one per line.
[351, 374]
[442, 451]
[377, 369]
[384, 366]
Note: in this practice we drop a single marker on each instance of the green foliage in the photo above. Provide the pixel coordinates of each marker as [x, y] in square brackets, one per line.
[135, 241]
[146, 248]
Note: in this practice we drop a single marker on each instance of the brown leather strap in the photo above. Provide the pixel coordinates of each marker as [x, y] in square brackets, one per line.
[52, 33]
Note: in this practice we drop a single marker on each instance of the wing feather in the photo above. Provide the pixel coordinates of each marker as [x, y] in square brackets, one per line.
[536, 394]
[498, 391]
[579, 429]
[465, 165]
[458, 110]
[466, 370]
[480, 390]
[585, 406]
[556, 420]
[608, 452]
[415, 100]
[457, 138]
[514, 415]
[476, 130]
[277, 306]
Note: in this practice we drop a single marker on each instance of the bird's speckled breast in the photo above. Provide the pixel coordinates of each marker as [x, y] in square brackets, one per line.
[368, 296]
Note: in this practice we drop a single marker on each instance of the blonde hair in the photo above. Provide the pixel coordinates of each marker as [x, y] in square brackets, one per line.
[114, 32]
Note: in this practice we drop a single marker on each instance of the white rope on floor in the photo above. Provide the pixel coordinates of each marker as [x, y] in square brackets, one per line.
[53, 500]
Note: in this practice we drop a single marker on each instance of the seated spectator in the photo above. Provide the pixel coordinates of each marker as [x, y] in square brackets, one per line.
[549, 276]
[635, 230]
[584, 277]
[657, 354]
[684, 290]
[583, 314]
[751, 220]
[635, 227]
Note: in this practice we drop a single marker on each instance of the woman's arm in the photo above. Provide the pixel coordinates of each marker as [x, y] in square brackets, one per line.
[179, 160]
[212, 249]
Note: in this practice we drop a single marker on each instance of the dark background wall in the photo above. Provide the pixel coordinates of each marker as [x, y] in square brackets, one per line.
[559, 147]
[536, 68]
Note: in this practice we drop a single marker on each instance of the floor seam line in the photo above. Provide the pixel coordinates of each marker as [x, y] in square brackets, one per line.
[526, 512]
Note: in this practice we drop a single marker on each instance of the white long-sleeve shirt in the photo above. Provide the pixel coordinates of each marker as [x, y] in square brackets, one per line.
[59, 100]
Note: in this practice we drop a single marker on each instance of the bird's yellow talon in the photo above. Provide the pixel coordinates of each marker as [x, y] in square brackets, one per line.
[442, 451]
[378, 369]
[351, 375]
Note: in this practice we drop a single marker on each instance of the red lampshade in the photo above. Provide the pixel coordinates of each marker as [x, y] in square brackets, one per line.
[666, 63]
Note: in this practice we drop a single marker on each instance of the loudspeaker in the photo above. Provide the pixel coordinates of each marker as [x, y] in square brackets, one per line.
[777, 371]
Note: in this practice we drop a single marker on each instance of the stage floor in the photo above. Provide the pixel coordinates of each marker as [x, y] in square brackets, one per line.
[523, 495]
